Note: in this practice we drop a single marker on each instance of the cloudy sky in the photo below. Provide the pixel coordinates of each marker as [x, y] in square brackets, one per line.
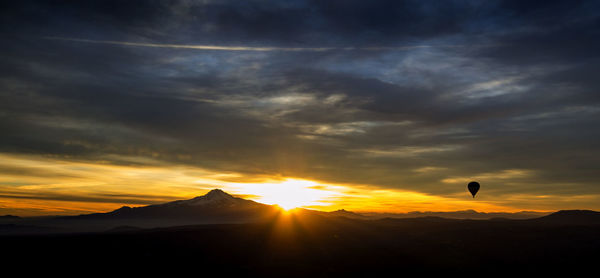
[363, 105]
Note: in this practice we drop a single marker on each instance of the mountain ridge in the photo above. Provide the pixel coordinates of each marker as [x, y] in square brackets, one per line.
[217, 198]
[219, 207]
[461, 214]
[572, 217]
[215, 203]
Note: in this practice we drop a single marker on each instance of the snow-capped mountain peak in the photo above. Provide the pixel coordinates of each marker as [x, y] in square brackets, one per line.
[215, 196]
[218, 194]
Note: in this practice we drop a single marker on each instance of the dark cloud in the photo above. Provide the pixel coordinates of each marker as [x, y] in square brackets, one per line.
[112, 199]
[486, 87]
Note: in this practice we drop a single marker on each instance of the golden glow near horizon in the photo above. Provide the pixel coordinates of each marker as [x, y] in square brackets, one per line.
[31, 185]
[291, 193]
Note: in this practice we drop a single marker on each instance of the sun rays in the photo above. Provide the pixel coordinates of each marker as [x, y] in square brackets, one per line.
[289, 194]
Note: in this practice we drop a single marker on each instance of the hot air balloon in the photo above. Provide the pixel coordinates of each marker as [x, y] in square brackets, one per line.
[473, 187]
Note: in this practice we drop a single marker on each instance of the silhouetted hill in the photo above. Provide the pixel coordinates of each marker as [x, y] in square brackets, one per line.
[342, 213]
[9, 217]
[572, 217]
[464, 214]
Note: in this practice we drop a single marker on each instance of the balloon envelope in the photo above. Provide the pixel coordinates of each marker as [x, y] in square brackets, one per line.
[473, 187]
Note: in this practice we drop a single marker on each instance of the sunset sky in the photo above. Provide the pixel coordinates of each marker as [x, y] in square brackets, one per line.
[388, 106]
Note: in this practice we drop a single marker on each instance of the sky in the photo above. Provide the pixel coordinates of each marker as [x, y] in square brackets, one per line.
[364, 105]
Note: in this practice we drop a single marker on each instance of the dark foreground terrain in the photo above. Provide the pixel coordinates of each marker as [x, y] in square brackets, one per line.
[302, 245]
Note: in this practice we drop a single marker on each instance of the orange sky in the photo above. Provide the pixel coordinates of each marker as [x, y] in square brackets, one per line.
[364, 106]
[47, 186]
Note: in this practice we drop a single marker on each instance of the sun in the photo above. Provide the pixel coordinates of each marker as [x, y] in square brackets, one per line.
[290, 194]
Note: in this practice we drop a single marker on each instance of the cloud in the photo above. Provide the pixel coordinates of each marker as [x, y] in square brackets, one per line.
[400, 95]
[249, 48]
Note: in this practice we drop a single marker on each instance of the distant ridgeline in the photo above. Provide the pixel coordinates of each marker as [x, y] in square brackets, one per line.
[219, 207]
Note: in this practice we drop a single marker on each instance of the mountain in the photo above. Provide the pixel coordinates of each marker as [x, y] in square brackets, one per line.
[571, 217]
[342, 213]
[215, 206]
[214, 198]
[219, 207]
